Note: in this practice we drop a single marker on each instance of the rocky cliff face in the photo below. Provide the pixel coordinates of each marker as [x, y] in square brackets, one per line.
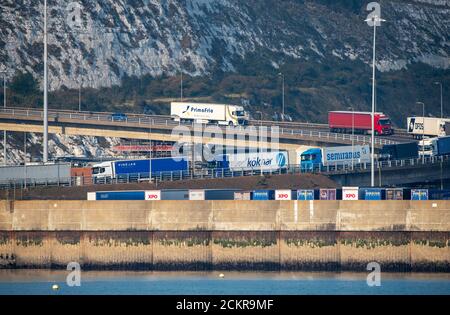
[98, 42]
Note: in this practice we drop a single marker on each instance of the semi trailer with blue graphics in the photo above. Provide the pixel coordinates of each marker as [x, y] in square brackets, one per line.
[140, 169]
[334, 156]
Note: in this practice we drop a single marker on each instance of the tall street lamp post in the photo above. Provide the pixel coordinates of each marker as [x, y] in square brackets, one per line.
[376, 21]
[4, 105]
[45, 140]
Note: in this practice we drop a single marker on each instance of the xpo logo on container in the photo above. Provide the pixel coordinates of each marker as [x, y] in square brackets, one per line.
[152, 195]
[349, 193]
[283, 194]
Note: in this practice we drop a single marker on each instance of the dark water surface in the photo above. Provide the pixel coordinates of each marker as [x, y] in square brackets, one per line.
[206, 283]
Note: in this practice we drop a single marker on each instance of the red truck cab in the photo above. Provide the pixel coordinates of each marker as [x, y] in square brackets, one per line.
[359, 122]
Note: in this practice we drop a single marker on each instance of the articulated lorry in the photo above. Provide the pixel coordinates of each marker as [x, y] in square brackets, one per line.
[359, 122]
[139, 169]
[334, 156]
[203, 113]
[420, 127]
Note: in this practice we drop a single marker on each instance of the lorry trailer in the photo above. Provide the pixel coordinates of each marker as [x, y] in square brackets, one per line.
[420, 127]
[204, 113]
[140, 169]
[399, 151]
[359, 122]
[256, 161]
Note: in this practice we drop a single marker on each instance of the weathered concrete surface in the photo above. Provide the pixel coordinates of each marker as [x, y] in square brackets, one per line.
[200, 235]
[225, 215]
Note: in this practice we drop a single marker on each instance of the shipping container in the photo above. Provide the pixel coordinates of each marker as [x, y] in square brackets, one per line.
[263, 195]
[219, 194]
[419, 194]
[436, 194]
[327, 194]
[371, 194]
[359, 122]
[394, 193]
[305, 194]
[175, 194]
[196, 194]
[350, 193]
[242, 195]
[153, 195]
[283, 194]
[120, 195]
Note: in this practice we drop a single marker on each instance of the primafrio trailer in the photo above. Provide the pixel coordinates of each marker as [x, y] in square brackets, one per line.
[420, 127]
[359, 122]
[203, 113]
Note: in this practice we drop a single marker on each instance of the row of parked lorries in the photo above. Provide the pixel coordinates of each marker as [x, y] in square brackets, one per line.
[345, 193]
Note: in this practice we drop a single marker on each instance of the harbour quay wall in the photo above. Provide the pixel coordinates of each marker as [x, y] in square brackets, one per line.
[230, 235]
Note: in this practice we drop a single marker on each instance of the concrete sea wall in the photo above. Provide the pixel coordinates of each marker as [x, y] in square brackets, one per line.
[202, 235]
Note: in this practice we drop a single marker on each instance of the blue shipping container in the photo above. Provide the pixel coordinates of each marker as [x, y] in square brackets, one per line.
[305, 194]
[175, 194]
[219, 194]
[158, 166]
[371, 194]
[263, 195]
[419, 194]
[120, 195]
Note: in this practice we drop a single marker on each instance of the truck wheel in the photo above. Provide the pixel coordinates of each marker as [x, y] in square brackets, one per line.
[230, 123]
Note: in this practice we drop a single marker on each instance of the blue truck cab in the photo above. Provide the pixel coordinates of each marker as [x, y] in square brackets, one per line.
[311, 159]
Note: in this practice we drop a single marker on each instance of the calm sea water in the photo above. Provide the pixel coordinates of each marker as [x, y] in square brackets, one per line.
[204, 283]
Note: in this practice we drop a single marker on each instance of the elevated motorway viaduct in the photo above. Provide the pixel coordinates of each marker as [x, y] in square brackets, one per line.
[160, 128]
[429, 172]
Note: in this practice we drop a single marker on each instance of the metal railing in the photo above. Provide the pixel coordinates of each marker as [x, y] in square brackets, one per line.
[218, 174]
[165, 122]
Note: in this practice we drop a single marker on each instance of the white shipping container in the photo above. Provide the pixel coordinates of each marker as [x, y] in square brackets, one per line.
[246, 195]
[350, 193]
[91, 195]
[266, 161]
[427, 126]
[283, 194]
[343, 155]
[196, 194]
[153, 195]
